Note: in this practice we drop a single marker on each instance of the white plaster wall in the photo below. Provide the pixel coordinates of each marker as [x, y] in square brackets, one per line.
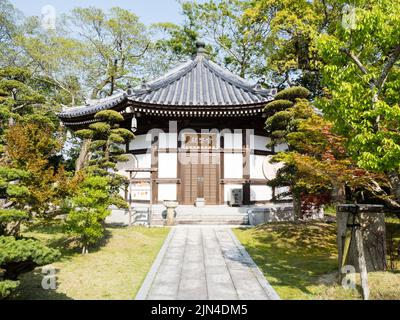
[167, 165]
[122, 167]
[256, 166]
[142, 141]
[121, 192]
[233, 140]
[227, 190]
[168, 140]
[261, 168]
[233, 165]
[259, 143]
[144, 161]
[167, 192]
[281, 147]
[260, 193]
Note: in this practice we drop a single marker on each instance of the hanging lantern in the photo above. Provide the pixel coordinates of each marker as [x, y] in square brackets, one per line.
[134, 124]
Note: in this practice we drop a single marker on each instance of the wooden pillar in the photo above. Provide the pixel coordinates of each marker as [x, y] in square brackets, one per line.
[221, 170]
[154, 165]
[246, 165]
[179, 173]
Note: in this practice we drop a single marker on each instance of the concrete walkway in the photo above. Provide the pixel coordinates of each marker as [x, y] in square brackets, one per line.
[201, 263]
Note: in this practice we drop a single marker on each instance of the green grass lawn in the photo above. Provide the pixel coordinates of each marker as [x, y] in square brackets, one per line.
[300, 261]
[114, 270]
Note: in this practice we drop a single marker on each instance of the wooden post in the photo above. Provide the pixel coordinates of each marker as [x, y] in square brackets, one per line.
[357, 226]
[130, 198]
[361, 263]
[371, 220]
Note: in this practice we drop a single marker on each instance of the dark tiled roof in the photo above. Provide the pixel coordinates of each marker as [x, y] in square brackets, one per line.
[197, 83]
[93, 106]
[200, 82]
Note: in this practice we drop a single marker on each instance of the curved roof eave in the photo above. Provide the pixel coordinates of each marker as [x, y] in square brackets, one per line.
[196, 84]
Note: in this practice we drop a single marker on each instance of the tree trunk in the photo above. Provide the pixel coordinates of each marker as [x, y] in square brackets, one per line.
[85, 250]
[297, 214]
[83, 155]
[98, 88]
[395, 184]
[339, 193]
[85, 245]
[378, 192]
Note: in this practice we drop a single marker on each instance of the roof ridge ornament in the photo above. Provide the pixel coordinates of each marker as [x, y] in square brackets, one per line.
[144, 85]
[200, 48]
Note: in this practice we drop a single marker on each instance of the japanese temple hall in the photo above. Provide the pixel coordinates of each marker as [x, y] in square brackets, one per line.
[199, 136]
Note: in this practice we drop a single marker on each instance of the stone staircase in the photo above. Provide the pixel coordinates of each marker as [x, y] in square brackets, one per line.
[209, 215]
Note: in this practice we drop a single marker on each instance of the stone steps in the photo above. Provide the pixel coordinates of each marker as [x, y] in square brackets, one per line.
[204, 220]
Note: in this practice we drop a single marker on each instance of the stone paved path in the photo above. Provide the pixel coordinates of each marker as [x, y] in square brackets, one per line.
[201, 263]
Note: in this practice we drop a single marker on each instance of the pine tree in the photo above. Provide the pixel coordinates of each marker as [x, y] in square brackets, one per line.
[17, 255]
[27, 180]
[101, 184]
[316, 167]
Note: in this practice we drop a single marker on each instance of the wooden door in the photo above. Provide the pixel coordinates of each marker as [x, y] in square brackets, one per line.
[210, 182]
[200, 180]
[189, 183]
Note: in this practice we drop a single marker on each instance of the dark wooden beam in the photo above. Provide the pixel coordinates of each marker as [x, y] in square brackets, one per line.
[246, 166]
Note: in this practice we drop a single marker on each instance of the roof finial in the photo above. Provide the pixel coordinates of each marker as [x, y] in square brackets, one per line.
[201, 47]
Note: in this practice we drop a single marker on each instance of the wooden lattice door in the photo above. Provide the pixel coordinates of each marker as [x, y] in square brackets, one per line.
[200, 179]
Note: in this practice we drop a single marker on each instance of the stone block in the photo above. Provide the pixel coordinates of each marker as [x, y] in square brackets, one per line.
[264, 215]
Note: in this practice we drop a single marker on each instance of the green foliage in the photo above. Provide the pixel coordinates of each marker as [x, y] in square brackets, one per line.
[17, 97]
[89, 208]
[293, 93]
[100, 186]
[84, 133]
[181, 40]
[24, 255]
[292, 56]
[360, 74]
[106, 140]
[277, 105]
[9, 215]
[316, 161]
[15, 193]
[236, 41]
[6, 287]
[114, 43]
[283, 116]
[31, 147]
[109, 116]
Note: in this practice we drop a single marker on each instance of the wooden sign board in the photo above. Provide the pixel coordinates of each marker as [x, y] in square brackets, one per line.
[200, 141]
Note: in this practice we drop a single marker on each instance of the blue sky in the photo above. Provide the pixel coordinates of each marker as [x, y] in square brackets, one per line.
[149, 11]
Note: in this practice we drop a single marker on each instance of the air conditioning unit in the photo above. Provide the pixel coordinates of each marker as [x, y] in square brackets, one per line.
[236, 198]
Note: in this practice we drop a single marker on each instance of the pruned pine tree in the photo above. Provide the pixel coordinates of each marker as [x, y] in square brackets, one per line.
[101, 184]
[12, 193]
[317, 167]
[284, 114]
[17, 255]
